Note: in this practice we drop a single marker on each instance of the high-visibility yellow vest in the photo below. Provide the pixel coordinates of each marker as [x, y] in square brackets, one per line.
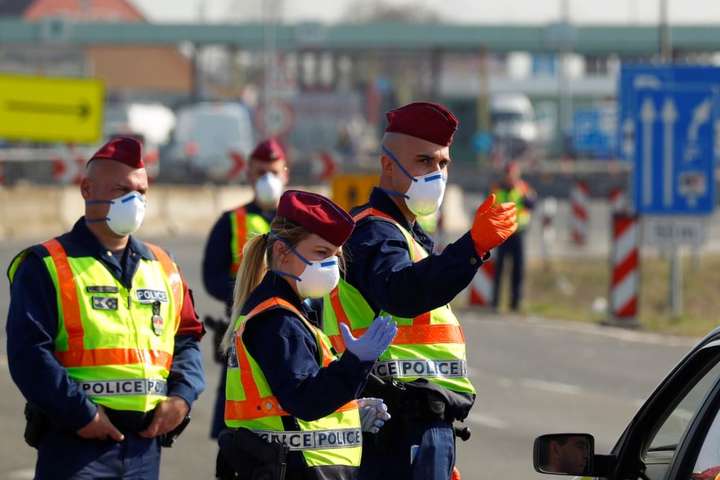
[334, 440]
[243, 226]
[515, 195]
[116, 343]
[430, 346]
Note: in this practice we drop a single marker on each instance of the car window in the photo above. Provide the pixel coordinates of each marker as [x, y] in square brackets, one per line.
[671, 431]
[707, 465]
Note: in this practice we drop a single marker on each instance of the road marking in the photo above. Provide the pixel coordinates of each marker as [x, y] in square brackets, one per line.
[21, 474]
[486, 421]
[554, 387]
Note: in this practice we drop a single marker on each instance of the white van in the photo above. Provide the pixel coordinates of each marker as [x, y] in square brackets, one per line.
[207, 137]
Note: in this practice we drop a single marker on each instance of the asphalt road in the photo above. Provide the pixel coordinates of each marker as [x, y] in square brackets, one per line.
[532, 376]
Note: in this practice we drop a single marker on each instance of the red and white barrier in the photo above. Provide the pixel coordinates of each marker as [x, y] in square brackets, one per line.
[625, 274]
[580, 218]
[483, 284]
[68, 165]
[618, 202]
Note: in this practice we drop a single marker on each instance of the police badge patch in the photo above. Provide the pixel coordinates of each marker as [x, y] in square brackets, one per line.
[104, 303]
[158, 324]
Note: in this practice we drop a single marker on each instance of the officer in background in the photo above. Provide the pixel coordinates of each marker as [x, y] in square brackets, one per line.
[268, 175]
[286, 390]
[513, 189]
[424, 372]
[102, 334]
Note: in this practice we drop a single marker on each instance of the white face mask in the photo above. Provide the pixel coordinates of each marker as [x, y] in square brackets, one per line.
[268, 190]
[125, 215]
[426, 193]
[318, 279]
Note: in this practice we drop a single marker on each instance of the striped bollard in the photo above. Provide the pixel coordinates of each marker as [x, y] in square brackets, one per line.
[625, 278]
[617, 200]
[580, 218]
[482, 286]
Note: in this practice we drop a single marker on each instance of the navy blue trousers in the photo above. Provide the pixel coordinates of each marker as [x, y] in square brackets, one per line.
[65, 456]
[427, 452]
[218, 419]
[514, 248]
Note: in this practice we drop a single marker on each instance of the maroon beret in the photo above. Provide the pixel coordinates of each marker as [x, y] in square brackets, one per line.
[317, 215]
[125, 150]
[268, 151]
[428, 121]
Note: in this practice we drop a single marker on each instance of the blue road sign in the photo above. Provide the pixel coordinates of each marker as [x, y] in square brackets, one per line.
[636, 77]
[674, 149]
[594, 131]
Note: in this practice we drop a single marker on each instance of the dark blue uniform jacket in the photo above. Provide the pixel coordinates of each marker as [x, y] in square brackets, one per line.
[33, 325]
[217, 260]
[286, 351]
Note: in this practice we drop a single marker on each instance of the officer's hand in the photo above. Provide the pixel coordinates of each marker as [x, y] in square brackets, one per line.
[101, 428]
[373, 414]
[493, 224]
[168, 415]
[372, 343]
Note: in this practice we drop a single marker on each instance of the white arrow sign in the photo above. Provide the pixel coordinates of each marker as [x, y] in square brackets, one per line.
[669, 116]
[647, 117]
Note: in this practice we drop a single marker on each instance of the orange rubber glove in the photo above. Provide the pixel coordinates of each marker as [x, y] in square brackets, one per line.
[493, 224]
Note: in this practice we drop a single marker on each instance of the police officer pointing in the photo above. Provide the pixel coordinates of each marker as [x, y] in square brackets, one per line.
[102, 334]
[390, 272]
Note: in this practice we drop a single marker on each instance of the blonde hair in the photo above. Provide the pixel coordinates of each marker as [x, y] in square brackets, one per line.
[257, 256]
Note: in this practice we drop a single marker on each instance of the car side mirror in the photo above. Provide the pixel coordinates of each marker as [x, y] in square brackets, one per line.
[565, 454]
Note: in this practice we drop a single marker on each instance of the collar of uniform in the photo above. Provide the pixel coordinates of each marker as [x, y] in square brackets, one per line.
[253, 207]
[273, 285]
[382, 201]
[81, 234]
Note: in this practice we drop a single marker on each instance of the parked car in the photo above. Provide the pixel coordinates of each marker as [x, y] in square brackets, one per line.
[209, 141]
[674, 436]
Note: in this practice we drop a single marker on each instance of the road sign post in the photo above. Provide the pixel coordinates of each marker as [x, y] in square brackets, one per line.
[669, 131]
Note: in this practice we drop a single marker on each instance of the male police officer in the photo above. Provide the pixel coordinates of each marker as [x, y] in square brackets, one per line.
[102, 334]
[389, 272]
[268, 175]
[513, 189]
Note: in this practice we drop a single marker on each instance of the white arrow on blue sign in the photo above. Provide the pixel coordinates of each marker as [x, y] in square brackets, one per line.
[674, 149]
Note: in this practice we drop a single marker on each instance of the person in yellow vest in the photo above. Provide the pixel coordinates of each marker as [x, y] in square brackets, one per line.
[268, 175]
[513, 189]
[390, 272]
[102, 334]
[290, 402]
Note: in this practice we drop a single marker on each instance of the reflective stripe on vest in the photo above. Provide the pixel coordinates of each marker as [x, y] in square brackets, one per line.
[333, 441]
[243, 226]
[315, 439]
[431, 345]
[143, 386]
[112, 338]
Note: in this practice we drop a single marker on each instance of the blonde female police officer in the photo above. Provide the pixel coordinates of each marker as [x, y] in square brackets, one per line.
[285, 384]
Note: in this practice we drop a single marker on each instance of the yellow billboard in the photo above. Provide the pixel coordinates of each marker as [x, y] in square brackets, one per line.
[51, 109]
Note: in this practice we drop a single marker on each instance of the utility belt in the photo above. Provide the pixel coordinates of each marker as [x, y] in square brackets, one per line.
[419, 401]
[246, 455]
[38, 424]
